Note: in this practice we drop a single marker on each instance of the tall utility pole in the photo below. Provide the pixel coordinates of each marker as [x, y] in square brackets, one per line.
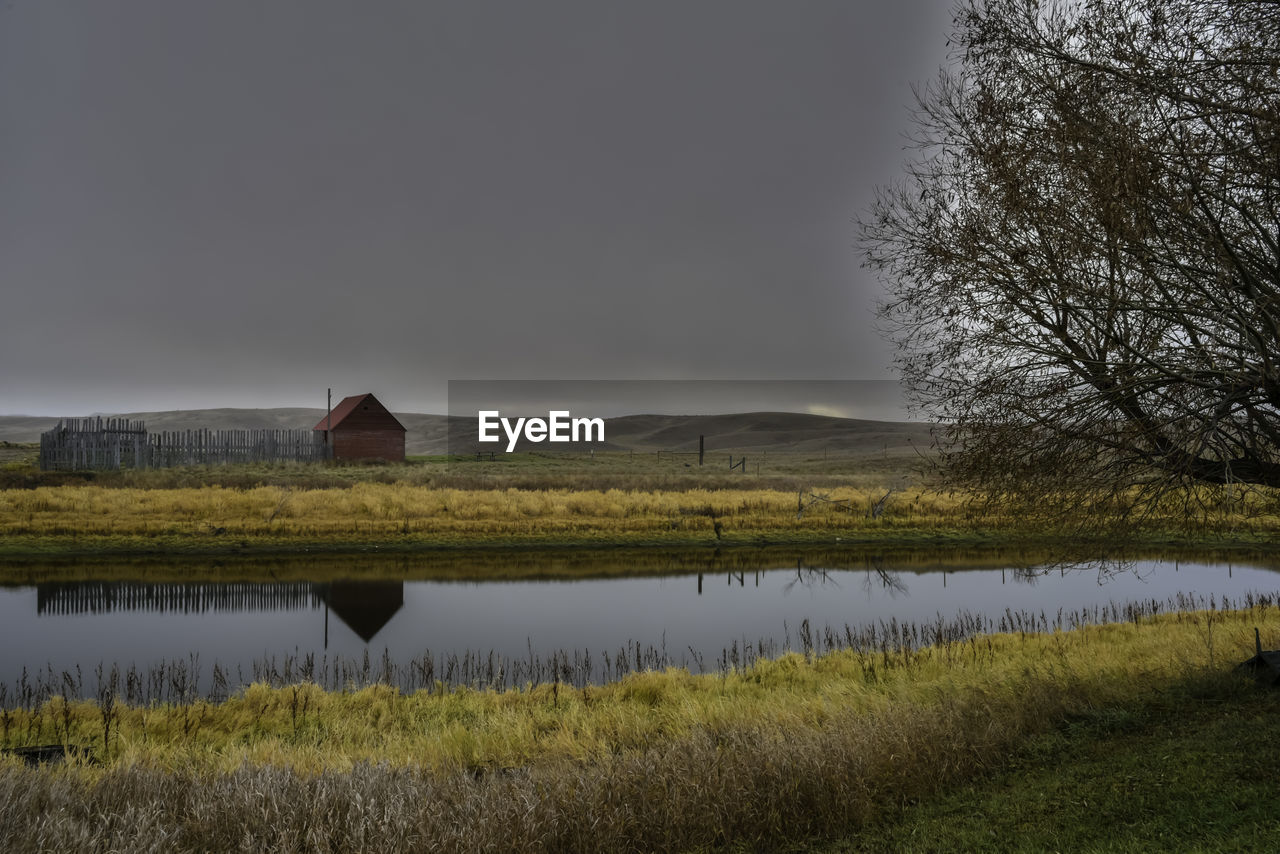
[328, 436]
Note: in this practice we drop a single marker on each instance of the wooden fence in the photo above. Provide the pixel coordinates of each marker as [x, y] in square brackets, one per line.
[93, 443]
[78, 444]
[208, 447]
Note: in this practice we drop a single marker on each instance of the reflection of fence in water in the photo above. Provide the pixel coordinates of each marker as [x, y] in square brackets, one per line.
[104, 597]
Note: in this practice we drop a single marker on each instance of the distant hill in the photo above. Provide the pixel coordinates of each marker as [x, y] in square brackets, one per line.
[791, 431]
[425, 434]
[428, 434]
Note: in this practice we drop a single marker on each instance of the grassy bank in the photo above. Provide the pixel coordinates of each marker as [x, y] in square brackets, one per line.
[798, 747]
[1192, 770]
[408, 517]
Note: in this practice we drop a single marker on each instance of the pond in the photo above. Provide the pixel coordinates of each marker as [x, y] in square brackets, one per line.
[583, 618]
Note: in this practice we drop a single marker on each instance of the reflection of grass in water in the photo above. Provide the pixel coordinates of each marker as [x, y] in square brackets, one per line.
[509, 564]
[761, 755]
[569, 564]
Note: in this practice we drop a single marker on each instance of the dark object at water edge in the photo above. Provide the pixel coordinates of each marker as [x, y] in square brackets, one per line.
[47, 754]
[1265, 664]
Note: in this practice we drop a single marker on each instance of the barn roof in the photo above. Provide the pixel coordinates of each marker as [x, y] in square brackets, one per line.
[357, 402]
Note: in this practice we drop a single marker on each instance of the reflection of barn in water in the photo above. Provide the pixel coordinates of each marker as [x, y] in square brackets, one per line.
[364, 606]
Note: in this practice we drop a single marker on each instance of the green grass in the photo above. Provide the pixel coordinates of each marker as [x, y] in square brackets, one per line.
[1194, 768]
[609, 470]
[18, 456]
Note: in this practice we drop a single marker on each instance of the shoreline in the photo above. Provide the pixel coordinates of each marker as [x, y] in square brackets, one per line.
[870, 733]
[74, 546]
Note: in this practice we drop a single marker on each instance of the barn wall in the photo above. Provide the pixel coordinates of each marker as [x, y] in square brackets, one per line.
[382, 444]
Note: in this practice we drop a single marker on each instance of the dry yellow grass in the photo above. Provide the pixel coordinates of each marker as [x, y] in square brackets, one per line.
[310, 730]
[388, 510]
[402, 515]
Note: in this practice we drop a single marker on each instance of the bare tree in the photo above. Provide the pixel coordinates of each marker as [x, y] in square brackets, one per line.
[1083, 260]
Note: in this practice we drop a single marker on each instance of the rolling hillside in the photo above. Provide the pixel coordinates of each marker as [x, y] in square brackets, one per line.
[427, 434]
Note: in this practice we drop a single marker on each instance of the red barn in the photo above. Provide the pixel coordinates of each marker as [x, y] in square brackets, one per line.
[361, 428]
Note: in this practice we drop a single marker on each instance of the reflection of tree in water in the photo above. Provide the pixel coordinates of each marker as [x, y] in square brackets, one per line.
[888, 579]
[1105, 569]
[810, 577]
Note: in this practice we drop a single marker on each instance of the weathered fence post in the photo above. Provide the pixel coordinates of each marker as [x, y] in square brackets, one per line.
[114, 443]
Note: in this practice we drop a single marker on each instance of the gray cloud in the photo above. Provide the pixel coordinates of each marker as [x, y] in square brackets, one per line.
[241, 203]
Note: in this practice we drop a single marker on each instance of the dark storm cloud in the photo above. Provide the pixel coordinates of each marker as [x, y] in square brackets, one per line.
[241, 203]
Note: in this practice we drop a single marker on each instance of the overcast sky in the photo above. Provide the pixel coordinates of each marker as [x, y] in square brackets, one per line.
[241, 203]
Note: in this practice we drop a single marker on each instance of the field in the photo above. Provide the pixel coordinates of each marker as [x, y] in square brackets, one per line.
[857, 747]
[617, 499]
[930, 739]
[91, 519]
[429, 434]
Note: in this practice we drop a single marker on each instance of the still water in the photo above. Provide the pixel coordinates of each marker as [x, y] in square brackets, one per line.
[691, 616]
